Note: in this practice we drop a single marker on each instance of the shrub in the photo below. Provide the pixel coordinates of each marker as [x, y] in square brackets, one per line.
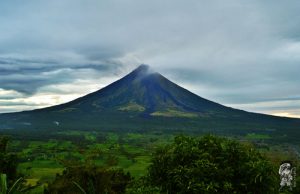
[90, 179]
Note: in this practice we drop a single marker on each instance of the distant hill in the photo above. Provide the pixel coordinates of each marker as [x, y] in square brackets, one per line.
[144, 100]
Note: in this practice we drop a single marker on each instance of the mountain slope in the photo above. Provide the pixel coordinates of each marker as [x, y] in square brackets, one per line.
[145, 89]
[143, 100]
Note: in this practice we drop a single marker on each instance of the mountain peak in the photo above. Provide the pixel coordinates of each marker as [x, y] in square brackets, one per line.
[143, 69]
[143, 99]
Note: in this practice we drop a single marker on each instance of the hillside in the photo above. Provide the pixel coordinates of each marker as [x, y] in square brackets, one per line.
[144, 100]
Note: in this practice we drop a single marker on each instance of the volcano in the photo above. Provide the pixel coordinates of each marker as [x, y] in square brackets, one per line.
[144, 100]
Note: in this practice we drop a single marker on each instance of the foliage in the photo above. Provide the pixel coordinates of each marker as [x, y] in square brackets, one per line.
[3, 143]
[3, 185]
[90, 180]
[8, 161]
[142, 186]
[79, 187]
[211, 165]
[41, 157]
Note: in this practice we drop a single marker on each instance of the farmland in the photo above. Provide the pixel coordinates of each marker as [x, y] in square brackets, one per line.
[41, 159]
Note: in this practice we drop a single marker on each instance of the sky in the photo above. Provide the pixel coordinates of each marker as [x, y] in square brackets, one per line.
[243, 54]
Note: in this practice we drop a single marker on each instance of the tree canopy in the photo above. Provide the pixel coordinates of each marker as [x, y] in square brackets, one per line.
[211, 165]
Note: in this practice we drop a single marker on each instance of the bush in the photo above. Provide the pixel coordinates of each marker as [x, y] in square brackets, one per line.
[211, 165]
[142, 186]
[90, 179]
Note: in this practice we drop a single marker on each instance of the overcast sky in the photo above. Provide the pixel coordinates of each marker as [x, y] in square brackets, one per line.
[243, 54]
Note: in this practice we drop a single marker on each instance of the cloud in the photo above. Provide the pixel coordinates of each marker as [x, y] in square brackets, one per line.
[28, 75]
[234, 53]
[9, 94]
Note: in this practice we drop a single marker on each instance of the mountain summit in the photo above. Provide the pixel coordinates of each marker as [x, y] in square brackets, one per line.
[147, 93]
[143, 100]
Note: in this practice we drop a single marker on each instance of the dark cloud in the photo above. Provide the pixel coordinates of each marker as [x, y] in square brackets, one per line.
[235, 52]
[27, 76]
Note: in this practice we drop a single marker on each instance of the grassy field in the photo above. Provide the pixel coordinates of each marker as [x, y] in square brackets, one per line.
[40, 161]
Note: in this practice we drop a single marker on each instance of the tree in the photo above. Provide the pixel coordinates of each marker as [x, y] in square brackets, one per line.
[8, 161]
[3, 143]
[89, 179]
[142, 186]
[211, 165]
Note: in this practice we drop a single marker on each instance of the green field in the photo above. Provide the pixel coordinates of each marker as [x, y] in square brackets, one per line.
[257, 136]
[41, 160]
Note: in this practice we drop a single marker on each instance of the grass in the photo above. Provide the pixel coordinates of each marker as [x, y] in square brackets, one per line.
[174, 113]
[139, 168]
[132, 107]
[40, 169]
[32, 182]
[112, 138]
[124, 162]
[46, 174]
[255, 136]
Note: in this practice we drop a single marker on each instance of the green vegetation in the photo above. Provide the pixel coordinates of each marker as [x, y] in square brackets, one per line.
[43, 156]
[257, 136]
[3, 185]
[89, 179]
[175, 113]
[156, 162]
[8, 162]
[211, 165]
[132, 107]
[8, 169]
